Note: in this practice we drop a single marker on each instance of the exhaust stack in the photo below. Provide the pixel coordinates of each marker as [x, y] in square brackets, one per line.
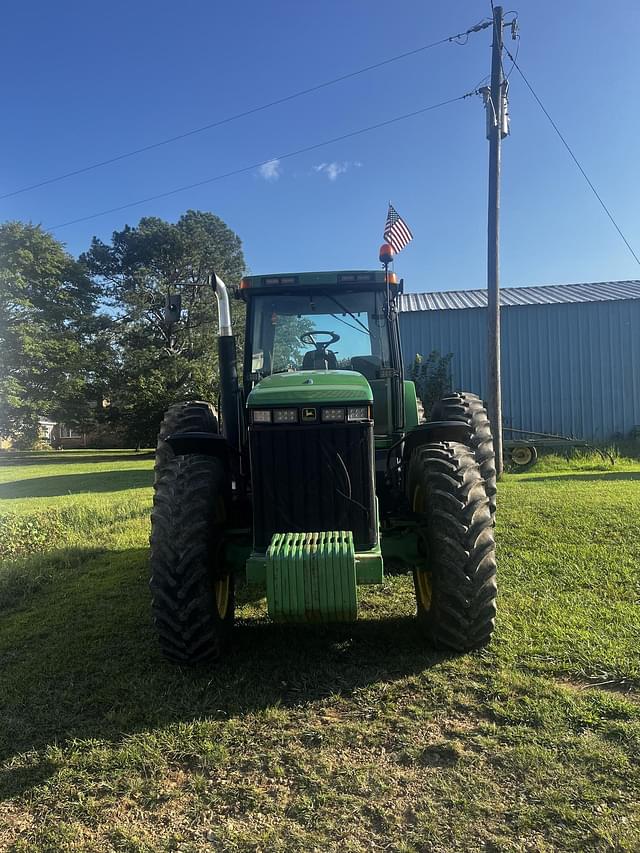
[227, 365]
[224, 311]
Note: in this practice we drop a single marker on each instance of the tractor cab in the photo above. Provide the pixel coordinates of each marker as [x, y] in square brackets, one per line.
[328, 321]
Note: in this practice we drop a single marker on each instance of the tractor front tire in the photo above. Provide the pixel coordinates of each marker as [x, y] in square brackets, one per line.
[190, 416]
[469, 409]
[456, 588]
[192, 587]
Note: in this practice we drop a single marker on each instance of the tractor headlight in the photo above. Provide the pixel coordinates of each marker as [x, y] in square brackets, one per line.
[358, 413]
[261, 416]
[332, 415]
[285, 416]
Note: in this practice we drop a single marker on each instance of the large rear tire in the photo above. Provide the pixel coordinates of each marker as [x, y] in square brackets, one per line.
[469, 409]
[456, 590]
[192, 587]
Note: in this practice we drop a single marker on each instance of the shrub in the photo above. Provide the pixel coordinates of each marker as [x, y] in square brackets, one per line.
[432, 377]
[21, 535]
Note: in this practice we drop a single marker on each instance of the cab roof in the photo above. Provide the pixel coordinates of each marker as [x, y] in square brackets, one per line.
[335, 278]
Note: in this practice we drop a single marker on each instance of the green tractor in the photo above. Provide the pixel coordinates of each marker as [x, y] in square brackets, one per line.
[319, 473]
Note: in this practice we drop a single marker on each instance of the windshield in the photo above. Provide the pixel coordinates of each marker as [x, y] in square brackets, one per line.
[286, 332]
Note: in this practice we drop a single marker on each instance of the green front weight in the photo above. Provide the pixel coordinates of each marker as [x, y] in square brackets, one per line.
[311, 577]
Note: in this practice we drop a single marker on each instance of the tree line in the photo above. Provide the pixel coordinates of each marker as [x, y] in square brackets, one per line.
[85, 341]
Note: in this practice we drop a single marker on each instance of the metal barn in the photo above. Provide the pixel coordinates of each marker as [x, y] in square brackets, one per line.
[570, 353]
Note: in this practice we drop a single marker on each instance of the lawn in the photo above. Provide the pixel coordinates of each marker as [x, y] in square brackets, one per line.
[349, 738]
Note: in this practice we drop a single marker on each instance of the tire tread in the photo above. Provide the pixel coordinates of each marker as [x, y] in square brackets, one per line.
[458, 529]
[186, 531]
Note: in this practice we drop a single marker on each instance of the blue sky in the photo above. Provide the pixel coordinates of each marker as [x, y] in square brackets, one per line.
[84, 81]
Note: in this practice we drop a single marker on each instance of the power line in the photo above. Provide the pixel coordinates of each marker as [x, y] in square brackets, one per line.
[573, 156]
[264, 162]
[169, 140]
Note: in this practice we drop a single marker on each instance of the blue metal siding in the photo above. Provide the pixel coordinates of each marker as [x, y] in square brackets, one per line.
[569, 368]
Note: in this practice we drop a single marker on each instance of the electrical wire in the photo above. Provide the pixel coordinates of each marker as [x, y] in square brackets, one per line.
[253, 166]
[572, 155]
[506, 76]
[169, 140]
[481, 25]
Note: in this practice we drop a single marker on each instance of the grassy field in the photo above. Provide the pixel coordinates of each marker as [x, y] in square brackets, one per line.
[351, 738]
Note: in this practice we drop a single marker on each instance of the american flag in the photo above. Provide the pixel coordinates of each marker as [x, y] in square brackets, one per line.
[396, 231]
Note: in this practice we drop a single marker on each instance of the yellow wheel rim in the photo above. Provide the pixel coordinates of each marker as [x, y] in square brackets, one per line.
[417, 500]
[423, 579]
[222, 587]
[221, 591]
[423, 590]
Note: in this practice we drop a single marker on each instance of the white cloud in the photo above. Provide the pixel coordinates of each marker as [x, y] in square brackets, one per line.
[334, 169]
[271, 170]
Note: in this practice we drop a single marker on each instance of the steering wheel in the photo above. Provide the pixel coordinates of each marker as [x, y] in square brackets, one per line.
[309, 339]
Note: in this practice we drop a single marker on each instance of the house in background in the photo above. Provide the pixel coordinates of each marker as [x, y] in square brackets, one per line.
[65, 437]
[68, 437]
[570, 354]
[46, 429]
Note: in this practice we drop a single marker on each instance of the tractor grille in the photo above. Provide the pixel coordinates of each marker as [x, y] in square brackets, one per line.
[299, 481]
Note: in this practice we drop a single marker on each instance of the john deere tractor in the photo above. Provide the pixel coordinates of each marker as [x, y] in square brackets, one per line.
[318, 472]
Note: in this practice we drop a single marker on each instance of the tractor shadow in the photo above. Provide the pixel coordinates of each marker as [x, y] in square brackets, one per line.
[606, 476]
[69, 484]
[79, 661]
[72, 458]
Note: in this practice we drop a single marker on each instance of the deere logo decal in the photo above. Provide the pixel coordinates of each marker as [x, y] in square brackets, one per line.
[309, 415]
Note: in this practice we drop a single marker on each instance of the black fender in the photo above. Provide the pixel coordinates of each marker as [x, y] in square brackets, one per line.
[205, 443]
[435, 431]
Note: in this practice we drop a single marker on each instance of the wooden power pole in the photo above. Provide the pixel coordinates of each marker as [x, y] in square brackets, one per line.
[495, 107]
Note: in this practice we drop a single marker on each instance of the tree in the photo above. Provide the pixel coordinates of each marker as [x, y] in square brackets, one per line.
[159, 362]
[287, 347]
[49, 334]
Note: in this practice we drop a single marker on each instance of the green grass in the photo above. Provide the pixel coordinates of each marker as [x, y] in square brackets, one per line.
[349, 738]
[41, 481]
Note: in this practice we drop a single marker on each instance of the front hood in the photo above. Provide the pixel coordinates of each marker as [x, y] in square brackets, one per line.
[310, 386]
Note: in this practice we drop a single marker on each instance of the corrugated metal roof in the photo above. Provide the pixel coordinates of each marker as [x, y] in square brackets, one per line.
[549, 294]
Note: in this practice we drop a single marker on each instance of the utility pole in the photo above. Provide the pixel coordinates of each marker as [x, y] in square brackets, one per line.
[495, 108]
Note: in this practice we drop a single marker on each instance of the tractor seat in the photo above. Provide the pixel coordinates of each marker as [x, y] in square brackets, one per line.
[317, 360]
[367, 365]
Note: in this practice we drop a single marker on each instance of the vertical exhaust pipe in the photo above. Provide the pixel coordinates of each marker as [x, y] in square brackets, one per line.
[227, 364]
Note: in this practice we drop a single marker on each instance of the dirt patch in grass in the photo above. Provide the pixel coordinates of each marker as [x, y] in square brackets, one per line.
[623, 686]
